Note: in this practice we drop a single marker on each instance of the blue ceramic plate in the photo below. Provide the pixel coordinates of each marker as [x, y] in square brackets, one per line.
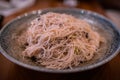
[11, 50]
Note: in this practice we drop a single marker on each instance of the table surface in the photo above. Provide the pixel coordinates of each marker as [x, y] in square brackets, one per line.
[11, 71]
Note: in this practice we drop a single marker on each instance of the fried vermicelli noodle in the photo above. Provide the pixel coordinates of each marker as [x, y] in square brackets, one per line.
[60, 41]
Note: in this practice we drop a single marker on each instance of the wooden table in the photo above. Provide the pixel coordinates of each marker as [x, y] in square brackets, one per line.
[11, 71]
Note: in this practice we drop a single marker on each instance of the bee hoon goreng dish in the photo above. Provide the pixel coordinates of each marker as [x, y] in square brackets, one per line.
[60, 41]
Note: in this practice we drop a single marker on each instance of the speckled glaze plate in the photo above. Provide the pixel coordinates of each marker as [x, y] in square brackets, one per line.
[10, 50]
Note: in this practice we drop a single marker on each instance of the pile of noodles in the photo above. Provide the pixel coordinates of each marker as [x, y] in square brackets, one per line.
[60, 41]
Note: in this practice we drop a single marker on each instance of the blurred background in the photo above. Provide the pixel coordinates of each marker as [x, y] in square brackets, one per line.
[110, 8]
